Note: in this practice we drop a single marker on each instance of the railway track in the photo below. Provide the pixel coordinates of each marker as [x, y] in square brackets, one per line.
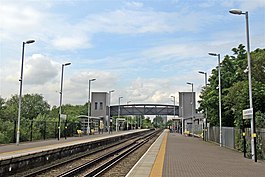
[107, 161]
[99, 160]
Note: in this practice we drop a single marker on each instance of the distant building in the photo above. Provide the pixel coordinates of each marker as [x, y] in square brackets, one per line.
[99, 106]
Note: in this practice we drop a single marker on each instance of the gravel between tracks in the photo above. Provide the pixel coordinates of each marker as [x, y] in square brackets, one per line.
[124, 166]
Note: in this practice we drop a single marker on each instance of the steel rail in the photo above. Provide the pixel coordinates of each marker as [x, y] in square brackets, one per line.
[99, 170]
[108, 165]
[45, 169]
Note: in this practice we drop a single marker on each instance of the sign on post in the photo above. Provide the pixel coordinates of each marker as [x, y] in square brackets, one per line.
[248, 113]
[63, 116]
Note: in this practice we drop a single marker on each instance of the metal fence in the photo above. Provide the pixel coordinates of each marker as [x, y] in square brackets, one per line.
[233, 138]
[31, 130]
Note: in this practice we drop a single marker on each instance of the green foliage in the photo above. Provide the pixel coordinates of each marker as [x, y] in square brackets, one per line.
[31, 106]
[260, 119]
[37, 120]
[158, 122]
[235, 88]
[6, 128]
[147, 123]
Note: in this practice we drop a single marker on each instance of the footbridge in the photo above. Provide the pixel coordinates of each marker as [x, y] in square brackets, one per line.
[144, 109]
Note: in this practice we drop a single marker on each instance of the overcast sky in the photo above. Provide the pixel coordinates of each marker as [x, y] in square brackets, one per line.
[145, 50]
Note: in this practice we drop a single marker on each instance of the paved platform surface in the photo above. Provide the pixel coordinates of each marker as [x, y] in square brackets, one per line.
[193, 157]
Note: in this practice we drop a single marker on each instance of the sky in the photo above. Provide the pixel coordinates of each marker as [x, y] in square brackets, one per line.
[144, 50]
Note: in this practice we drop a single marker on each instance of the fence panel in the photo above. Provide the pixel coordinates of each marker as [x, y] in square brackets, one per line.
[233, 138]
[228, 137]
[31, 130]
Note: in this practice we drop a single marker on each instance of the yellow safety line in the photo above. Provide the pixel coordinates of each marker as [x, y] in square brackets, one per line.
[157, 169]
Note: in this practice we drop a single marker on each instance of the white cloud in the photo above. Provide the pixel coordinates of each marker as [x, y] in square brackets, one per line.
[159, 96]
[13, 17]
[71, 42]
[40, 70]
[134, 4]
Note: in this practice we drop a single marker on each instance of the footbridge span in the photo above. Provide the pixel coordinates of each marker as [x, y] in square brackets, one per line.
[144, 109]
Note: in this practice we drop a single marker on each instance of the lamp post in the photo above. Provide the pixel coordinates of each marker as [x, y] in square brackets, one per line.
[253, 126]
[61, 97]
[109, 110]
[20, 89]
[174, 100]
[220, 103]
[182, 113]
[127, 123]
[204, 134]
[192, 105]
[89, 105]
[119, 112]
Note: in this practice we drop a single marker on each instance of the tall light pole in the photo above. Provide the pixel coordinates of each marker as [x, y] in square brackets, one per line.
[119, 112]
[89, 105]
[174, 100]
[20, 90]
[253, 126]
[127, 123]
[109, 110]
[61, 98]
[204, 132]
[192, 105]
[182, 112]
[220, 103]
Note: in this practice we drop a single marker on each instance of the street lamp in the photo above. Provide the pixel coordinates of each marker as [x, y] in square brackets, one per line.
[253, 126]
[192, 105]
[109, 110]
[127, 124]
[20, 89]
[89, 105]
[204, 134]
[174, 100]
[61, 97]
[119, 112]
[220, 103]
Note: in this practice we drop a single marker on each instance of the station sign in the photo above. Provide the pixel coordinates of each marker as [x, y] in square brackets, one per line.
[248, 113]
[63, 116]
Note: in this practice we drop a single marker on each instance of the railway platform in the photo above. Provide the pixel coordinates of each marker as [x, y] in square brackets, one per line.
[26, 155]
[174, 155]
[25, 148]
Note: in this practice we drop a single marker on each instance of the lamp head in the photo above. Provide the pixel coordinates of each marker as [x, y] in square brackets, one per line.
[111, 91]
[236, 11]
[66, 64]
[201, 72]
[29, 41]
[92, 79]
[213, 54]
[189, 83]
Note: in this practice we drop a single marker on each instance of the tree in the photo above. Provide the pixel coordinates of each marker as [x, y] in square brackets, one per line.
[235, 93]
[147, 123]
[158, 122]
[11, 110]
[31, 106]
[2, 109]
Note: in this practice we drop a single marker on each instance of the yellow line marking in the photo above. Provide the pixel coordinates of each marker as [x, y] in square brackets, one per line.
[157, 169]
